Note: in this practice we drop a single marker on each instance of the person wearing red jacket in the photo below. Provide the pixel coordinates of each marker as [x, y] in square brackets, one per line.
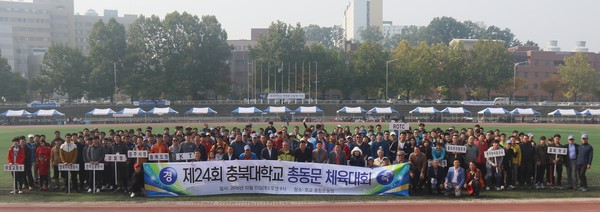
[43, 167]
[43, 149]
[483, 146]
[16, 155]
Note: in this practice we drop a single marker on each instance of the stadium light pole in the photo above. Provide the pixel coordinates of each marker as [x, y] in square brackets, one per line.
[387, 73]
[515, 79]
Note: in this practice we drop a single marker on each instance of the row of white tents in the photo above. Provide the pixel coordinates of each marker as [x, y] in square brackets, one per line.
[129, 112]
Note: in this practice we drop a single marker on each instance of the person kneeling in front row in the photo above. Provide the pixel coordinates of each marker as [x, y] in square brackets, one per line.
[455, 179]
[136, 182]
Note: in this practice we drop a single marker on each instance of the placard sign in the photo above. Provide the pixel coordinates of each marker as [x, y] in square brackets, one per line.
[14, 168]
[115, 158]
[68, 167]
[159, 157]
[94, 166]
[399, 126]
[137, 154]
[494, 153]
[456, 148]
[184, 156]
[443, 163]
[557, 150]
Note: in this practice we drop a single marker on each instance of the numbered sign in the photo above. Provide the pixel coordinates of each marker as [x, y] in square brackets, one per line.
[494, 153]
[399, 126]
[137, 154]
[443, 163]
[68, 167]
[185, 156]
[456, 148]
[14, 168]
[97, 166]
[158, 157]
[114, 158]
[557, 150]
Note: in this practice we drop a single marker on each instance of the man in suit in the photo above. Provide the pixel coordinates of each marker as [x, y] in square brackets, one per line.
[229, 155]
[269, 153]
[435, 175]
[319, 155]
[455, 179]
[570, 162]
[337, 156]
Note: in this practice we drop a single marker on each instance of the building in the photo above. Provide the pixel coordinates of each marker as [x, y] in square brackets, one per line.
[361, 14]
[540, 65]
[389, 29]
[29, 28]
[84, 24]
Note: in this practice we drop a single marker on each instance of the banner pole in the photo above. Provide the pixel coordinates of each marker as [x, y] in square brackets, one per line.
[116, 184]
[14, 182]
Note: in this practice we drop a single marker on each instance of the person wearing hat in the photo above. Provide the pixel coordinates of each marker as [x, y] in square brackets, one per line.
[584, 160]
[571, 162]
[356, 158]
[136, 182]
[386, 162]
[248, 154]
[541, 163]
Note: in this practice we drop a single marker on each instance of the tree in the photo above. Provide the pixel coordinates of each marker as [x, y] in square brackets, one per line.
[490, 65]
[448, 65]
[13, 86]
[368, 62]
[577, 75]
[371, 33]
[552, 85]
[329, 37]
[413, 71]
[444, 29]
[331, 70]
[66, 70]
[107, 50]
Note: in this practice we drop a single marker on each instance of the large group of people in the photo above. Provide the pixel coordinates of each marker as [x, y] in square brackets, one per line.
[525, 163]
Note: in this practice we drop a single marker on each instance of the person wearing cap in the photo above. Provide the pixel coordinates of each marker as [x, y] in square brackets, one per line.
[337, 156]
[435, 177]
[356, 158]
[418, 167]
[136, 182]
[319, 155]
[255, 144]
[571, 162]
[541, 163]
[248, 154]
[386, 162]
[555, 167]
[584, 160]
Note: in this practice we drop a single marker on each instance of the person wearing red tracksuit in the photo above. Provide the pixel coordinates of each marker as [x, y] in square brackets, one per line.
[43, 167]
[16, 155]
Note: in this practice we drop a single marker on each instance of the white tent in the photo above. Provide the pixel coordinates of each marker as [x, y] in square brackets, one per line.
[493, 111]
[201, 110]
[424, 110]
[162, 111]
[352, 110]
[272, 109]
[131, 111]
[48, 113]
[591, 112]
[303, 109]
[246, 110]
[16, 113]
[564, 112]
[524, 111]
[382, 110]
[455, 110]
[456, 113]
[100, 112]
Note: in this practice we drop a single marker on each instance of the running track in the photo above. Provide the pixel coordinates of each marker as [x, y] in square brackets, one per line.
[462, 205]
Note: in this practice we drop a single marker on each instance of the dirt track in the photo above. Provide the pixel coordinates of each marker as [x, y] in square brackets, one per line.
[464, 205]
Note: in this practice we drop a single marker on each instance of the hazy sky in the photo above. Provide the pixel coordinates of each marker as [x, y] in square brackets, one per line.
[537, 20]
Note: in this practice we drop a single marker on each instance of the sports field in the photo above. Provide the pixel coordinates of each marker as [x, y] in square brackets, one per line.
[8, 132]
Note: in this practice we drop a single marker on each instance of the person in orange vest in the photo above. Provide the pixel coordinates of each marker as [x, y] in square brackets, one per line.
[159, 147]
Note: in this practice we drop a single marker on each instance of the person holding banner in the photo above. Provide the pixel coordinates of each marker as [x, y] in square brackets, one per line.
[494, 168]
[16, 155]
[94, 155]
[455, 180]
[68, 155]
[584, 160]
[556, 165]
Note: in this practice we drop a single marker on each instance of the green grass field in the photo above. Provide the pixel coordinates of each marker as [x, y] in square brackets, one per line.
[7, 133]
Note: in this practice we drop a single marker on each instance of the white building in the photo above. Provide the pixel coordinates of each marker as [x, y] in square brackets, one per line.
[359, 15]
[389, 29]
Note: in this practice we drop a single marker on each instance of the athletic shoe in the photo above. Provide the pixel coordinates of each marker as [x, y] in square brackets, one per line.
[501, 187]
[20, 192]
[583, 189]
[12, 192]
[90, 190]
[511, 187]
[132, 195]
[497, 189]
[487, 188]
[97, 190]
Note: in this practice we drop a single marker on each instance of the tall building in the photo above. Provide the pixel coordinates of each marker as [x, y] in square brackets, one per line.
[29, 28]
[359, 15]
[389, 29]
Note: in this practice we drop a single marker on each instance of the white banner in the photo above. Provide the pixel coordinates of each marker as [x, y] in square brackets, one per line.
[557, 150]
[286, 96]
[14, 168]
[456, 148]
[137, 154]
[494, 153]
[97, 166]
[68, 167]
[272, 177]
[114, 158]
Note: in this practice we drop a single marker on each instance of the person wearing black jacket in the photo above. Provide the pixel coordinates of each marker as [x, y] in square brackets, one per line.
[527, 162]
[120, 148]
[78, 141]
[584, 160]
[303, 153]
[435, 177]
[356, 158]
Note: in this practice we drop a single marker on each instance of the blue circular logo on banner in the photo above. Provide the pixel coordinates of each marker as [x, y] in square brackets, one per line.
[385, 177]
[168, 176]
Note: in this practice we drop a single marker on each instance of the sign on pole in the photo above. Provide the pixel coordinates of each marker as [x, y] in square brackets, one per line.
[68, 168]
[137, 154]
[456, 148]
[94, 167]
[158, 157]
[184, 156]
[494, 153]
[557, 150]
[399, 126]
[14, 168]
[115, 158]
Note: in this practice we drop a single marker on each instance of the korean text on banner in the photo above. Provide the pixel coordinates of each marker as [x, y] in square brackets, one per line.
[272, 177]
